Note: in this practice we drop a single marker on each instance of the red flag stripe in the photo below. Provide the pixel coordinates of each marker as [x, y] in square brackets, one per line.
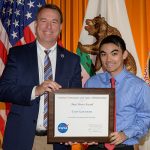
[18, 43]
[28, 35]
[3, 52]
[32, 27]
[8, 105]
[4, 37]
[2, 126]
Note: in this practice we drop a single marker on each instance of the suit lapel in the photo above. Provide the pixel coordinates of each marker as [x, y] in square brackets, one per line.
[34, 62]
[59, 63]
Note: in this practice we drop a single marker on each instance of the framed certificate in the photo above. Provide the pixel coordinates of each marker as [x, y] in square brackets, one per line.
[81, 115]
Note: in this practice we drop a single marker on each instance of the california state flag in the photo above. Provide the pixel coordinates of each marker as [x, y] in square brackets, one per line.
[115, 14]
[118, 15]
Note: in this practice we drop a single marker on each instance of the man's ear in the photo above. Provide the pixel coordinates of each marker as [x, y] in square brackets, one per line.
[125, 54]
[61, 27]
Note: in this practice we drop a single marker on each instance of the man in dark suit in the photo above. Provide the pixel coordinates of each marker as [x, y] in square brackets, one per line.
[23, 84]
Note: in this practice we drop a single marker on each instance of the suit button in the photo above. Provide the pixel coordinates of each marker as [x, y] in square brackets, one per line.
[34, 121]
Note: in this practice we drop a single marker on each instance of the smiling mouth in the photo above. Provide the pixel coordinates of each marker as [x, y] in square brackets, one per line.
[109, 65]
[48, 32]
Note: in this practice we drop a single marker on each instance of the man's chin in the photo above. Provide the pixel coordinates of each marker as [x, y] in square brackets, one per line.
[110, 69]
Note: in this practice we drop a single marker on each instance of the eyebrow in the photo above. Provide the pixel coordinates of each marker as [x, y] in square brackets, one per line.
[44, 18]
[115, 50]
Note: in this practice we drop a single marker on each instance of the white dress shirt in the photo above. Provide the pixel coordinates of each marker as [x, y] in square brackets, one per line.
[41, 55]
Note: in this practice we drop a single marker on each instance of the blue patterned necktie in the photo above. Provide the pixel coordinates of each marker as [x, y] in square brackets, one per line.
[47, 76]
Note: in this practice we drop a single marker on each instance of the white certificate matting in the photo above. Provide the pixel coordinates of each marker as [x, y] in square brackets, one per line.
[81, 115]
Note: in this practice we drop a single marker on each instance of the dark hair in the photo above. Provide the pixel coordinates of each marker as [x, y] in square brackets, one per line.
[115, 39]
[51, 6]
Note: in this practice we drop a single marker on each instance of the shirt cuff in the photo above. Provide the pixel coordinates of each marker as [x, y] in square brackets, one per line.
[129, 133]
[33, 93]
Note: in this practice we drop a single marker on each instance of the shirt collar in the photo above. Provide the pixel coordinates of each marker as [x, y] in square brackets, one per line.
[43, 48]
[119, 77]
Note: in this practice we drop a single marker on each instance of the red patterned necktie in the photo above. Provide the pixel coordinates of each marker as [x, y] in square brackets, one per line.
[47, 76]
[108, 145]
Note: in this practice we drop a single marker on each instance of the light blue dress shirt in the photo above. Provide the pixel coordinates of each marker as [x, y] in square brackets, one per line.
[132, 103]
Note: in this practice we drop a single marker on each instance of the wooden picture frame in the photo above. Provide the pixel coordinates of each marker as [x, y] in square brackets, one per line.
[73, 112]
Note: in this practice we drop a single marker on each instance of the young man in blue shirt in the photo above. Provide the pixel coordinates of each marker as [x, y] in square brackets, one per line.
[132, 95]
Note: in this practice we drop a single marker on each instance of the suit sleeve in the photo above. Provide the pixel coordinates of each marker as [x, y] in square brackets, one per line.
[10, 89]
[76, 79]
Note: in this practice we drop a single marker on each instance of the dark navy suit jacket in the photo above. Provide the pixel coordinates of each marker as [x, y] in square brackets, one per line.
[19, 77]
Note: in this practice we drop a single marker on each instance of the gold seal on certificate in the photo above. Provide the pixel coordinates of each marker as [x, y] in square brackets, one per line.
[80, 115]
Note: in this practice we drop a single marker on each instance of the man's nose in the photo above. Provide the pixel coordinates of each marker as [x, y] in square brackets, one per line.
[49, 25]
[108, 58]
